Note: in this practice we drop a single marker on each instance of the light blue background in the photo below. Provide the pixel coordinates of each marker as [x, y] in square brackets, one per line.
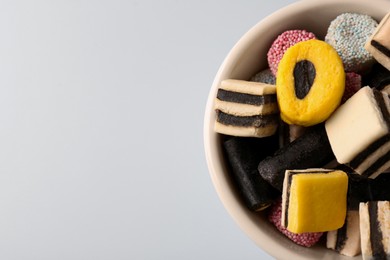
[101, 128]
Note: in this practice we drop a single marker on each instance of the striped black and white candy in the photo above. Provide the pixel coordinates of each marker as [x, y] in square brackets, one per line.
[378, 44]
[375, 229]
[245, 108]
[359, 132]
[346, 240]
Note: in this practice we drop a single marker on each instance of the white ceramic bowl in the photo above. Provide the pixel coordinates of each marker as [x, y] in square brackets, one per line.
[247, 57]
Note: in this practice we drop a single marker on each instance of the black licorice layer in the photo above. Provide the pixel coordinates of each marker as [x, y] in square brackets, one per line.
[376, 237]
[247, 121]
[311, 150]
[379, 187]
[360, 157]
[383, 107]
[376, 165]
[342, 237]
[243, 154]
[378, 77]
[363, 189]
[243, 98]
[358, 190]
[377, 45]
[304, 75]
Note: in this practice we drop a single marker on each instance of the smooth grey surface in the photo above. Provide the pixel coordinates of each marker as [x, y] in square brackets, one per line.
[101, 120]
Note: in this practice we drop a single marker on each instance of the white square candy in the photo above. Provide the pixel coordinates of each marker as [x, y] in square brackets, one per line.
[358, 132]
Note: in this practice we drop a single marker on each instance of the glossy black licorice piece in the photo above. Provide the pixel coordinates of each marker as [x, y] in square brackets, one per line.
[378, 77]
[380, 187]
[244, 155]
[358, 190]
[363, 189]
[311, 150]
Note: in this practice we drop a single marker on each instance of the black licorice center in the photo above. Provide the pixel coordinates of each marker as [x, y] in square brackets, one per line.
[304, 75]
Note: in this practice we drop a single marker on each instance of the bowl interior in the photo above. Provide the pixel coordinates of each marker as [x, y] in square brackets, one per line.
[246, 58]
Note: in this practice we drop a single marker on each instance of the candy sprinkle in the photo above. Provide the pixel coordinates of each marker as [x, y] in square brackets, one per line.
[304, 239]
[348, 33]
[282, 43]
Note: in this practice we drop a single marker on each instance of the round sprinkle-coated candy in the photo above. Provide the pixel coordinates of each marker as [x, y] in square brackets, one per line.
[282, 43]
[348, 34]
[310, 83]
[264, 76]
[303, 239]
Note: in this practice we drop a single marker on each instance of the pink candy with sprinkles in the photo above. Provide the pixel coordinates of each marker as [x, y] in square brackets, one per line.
[304, 239]
[282, 43]
[353, 82]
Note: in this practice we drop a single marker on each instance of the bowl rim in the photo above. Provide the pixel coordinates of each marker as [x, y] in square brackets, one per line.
[240, 214]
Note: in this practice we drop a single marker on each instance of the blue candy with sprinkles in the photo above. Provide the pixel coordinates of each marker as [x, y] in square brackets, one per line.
[348, 33]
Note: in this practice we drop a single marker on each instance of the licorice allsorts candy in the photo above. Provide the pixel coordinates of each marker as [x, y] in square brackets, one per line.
[314, 200]
[312, 149]
[379, 44]
[303, 78]
[375, 229]
[245, 108]
[348, 34]
[359, 132]
[346, 240]
[243, 155]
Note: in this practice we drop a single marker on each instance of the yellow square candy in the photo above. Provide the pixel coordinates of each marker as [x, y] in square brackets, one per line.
[316, 200]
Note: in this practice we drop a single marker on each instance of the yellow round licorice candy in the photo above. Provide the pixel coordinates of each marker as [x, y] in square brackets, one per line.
[310, 83]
